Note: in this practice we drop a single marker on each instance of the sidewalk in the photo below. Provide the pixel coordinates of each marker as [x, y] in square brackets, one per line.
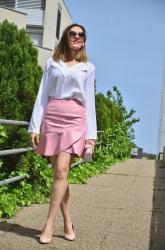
[112, 212]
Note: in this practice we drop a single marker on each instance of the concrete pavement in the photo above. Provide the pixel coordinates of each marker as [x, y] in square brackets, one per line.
[122, 209]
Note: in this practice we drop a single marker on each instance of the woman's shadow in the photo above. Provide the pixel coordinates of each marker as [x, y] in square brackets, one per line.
[19, 229]
[6, 226]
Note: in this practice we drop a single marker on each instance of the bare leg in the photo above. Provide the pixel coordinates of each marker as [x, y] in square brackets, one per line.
[66, 210]
[59, 188]
[65, 203]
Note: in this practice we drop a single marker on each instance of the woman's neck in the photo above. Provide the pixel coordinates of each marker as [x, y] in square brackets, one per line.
[72, 56]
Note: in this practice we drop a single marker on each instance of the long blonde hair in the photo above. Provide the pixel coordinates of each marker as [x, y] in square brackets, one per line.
[62, 50]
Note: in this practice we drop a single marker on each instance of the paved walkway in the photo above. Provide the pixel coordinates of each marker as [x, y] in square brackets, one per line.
[122, 209]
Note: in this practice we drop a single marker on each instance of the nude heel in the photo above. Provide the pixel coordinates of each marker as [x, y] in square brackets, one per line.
[70, 236]
[45, 240]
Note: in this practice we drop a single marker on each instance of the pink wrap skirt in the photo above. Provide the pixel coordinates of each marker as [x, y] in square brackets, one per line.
[63, 127]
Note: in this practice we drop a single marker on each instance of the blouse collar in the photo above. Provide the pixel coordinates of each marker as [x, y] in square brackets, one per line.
[67, 70]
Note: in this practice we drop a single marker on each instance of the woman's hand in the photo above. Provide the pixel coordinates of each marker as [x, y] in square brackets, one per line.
[91, 142]
[34, 137]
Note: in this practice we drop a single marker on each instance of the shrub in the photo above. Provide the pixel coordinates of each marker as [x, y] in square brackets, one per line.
[20, 76]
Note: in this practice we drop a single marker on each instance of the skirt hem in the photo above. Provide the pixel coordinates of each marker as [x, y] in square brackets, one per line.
[63, 128]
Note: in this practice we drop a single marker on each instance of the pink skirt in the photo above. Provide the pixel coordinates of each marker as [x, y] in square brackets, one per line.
[63, 127]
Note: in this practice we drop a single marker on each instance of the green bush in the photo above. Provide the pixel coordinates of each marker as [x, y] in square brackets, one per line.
[110, 110]
[19, 72]
[20, 76]
[35, 189]
[151, 156]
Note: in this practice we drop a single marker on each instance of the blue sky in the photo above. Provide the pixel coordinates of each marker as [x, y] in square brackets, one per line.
[126, 42]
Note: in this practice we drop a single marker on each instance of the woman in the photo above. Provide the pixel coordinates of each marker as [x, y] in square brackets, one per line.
[65, 111]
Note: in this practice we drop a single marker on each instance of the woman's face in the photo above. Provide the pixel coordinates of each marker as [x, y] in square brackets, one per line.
[76, 38]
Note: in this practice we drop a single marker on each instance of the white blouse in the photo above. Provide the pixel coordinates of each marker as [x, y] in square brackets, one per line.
[61, 81]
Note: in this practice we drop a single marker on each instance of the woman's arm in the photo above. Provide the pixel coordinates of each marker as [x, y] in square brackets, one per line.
[91, 133]
[40, 103]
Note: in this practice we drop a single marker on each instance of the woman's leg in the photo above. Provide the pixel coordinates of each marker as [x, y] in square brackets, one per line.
[59, 187]
[65, 209]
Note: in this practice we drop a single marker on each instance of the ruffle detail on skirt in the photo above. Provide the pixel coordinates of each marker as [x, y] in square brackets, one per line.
[69, 141]
[63, 128]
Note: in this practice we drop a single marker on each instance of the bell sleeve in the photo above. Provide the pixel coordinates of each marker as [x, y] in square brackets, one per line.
[40, 103]
[91, 132]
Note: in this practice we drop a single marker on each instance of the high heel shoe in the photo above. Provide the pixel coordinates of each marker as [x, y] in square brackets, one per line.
[44, 240]
[70, 236]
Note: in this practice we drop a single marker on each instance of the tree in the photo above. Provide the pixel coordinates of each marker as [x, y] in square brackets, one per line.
[19, 72]
[112, 113]
[126, 117]
[20, 76]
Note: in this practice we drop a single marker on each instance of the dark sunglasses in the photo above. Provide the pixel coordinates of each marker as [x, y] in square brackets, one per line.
[73, 34]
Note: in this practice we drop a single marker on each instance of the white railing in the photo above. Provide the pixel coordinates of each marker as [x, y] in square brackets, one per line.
[22, 150]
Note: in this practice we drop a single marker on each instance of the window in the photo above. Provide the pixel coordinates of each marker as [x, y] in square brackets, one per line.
[31, 4]
[8, 3]
[58, 24]
[36, 34]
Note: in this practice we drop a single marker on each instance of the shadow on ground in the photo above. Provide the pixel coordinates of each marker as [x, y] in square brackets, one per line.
[19, 229]
[6, 226]
[157, 229]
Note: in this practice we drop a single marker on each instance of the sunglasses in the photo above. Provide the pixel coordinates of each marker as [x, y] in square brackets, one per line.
[73, 34]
